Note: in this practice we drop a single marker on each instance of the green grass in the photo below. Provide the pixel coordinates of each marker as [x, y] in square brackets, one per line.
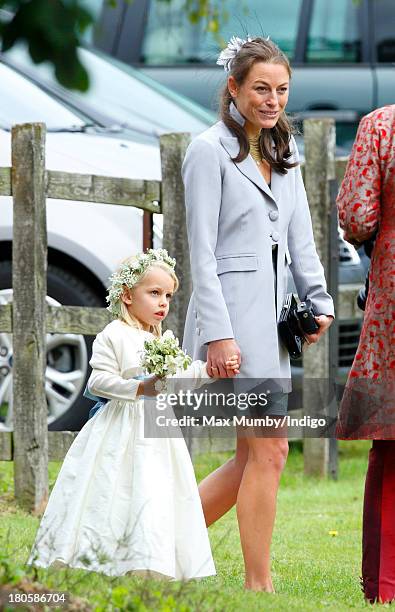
[3, 411]
[312, 569]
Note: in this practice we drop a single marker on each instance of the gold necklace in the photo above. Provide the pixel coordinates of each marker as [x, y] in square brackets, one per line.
[255, 149]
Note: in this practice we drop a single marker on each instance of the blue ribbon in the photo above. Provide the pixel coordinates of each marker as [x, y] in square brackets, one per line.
[102, 401]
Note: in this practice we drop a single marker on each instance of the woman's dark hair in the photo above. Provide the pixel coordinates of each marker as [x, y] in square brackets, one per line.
[259, 50]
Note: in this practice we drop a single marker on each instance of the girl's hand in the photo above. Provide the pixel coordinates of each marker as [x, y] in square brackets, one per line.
[324, 322]
[147, 387]
[232, 366]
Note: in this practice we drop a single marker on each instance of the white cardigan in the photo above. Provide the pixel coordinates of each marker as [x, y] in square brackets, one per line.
[116, 359]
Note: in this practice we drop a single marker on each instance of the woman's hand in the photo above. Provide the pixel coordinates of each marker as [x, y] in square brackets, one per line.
[324, 323]
[232, 368]
[219, 353]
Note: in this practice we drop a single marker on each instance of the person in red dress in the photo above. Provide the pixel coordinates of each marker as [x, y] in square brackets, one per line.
[366, 205]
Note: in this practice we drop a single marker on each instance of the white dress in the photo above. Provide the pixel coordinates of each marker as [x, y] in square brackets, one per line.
[123, 502]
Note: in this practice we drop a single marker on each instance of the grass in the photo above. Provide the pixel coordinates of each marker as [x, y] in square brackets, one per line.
[313, 568]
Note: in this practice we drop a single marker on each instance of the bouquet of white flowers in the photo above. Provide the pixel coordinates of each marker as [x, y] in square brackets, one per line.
[163, 356]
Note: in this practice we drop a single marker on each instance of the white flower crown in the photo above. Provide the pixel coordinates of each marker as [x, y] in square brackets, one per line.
[130, 273]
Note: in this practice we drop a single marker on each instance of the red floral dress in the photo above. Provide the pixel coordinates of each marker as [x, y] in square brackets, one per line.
[366, 203]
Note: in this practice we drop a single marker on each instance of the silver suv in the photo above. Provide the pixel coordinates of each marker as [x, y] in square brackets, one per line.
[342, 51]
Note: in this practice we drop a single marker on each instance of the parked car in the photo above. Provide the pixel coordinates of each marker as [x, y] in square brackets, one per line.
[118, 96]
[342, 51]
[81, 255]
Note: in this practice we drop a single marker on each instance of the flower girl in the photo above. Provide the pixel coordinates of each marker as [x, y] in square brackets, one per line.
[124, 502]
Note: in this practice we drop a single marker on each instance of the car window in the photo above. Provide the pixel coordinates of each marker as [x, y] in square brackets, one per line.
[334, 32]
[123, 92]
[171, 37]
[95, 8]
[384, 18]
[22, 102]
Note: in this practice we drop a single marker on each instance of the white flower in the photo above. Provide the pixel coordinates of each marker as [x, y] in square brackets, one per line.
[163, 356]
[168, 334]
[228, 54]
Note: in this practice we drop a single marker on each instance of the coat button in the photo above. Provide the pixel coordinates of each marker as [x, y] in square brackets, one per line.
[275, 236]
[273, 215]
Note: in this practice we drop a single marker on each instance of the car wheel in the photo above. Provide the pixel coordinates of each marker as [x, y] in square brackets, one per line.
[67, 354]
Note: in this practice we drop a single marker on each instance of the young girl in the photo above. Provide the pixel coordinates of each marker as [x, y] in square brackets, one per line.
[124, 502]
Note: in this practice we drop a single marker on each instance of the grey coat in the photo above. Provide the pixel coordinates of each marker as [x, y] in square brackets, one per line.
[233, 219]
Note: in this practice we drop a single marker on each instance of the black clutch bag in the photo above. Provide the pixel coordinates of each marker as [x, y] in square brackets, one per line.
[289, 329]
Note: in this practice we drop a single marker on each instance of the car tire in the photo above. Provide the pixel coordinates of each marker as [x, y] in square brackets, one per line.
[67, 289]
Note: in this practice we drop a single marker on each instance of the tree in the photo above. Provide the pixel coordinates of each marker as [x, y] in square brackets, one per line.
[52, 30]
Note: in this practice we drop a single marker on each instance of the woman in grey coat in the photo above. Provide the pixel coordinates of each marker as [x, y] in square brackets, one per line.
[248, 220]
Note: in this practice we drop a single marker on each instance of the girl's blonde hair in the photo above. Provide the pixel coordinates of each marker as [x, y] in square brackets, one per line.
[126, 316]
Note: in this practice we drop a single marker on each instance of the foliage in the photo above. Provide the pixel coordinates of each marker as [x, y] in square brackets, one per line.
[52, 31]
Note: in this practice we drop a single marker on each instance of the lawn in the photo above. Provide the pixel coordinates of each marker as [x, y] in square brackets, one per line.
[316, 549]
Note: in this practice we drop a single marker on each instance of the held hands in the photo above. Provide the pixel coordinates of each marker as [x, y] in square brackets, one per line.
[149, 388]
[324, 322]
[223, 359]
[231, 365]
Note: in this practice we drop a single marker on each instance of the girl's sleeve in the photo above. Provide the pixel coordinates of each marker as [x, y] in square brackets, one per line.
[106, 380]
[358, 201]
[194, 377]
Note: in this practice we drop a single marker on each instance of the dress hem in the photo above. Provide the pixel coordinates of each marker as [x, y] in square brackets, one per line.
[155, 574]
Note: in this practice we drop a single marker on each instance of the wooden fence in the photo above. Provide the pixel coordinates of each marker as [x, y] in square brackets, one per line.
[29, 318]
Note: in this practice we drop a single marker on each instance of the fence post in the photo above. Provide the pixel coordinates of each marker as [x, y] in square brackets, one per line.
[29, 282]
[320, 361]
[172, 150]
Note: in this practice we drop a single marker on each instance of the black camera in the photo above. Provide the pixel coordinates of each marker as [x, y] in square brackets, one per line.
[306, 318]
[295, 321]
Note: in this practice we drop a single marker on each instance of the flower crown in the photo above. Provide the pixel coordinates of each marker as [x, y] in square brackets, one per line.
[130, 273]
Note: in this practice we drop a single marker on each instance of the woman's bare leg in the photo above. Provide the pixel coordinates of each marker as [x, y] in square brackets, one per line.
[218, 491]
[256, 507]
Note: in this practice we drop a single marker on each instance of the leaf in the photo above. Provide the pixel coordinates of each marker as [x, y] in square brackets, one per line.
[51, 31]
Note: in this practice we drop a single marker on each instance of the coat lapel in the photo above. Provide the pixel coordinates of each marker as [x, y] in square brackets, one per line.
[247, 166]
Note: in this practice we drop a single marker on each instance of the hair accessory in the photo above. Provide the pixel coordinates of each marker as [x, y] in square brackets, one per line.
[130, 273]
[228, 54]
